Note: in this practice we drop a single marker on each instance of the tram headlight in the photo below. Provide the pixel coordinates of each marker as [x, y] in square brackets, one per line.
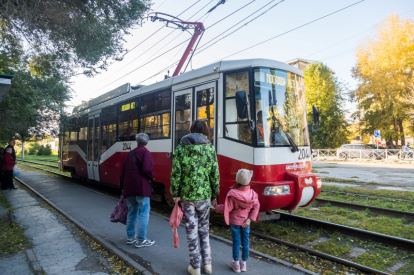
[319, 183]
[277, 190]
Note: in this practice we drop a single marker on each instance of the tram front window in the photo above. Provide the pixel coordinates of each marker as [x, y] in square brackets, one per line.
[280, 108]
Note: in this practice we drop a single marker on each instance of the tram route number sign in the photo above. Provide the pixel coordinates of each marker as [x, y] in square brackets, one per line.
[377, 133]
[126, 146]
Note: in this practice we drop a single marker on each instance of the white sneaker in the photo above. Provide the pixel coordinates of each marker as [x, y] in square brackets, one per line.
[208, 269]
[193, 271]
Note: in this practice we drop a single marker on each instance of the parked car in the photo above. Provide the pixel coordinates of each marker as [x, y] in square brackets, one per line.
[373, 146]
[358, 151]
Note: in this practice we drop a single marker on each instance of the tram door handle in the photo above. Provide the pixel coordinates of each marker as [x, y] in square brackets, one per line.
[168, 155]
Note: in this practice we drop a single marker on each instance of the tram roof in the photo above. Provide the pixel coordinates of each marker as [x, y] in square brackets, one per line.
[125, 91]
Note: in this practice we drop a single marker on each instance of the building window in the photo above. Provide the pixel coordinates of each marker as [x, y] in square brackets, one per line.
[156, 114]
[235, 127]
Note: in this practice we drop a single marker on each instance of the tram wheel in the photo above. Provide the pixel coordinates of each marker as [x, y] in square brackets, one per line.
[169, 201]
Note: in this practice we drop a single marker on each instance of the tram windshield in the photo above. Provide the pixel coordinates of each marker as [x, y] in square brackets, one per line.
[280, 106]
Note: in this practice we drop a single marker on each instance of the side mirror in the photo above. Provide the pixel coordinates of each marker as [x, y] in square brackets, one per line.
[242, 105]
[315, 126]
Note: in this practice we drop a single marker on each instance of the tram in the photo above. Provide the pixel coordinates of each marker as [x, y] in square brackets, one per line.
[256, 111]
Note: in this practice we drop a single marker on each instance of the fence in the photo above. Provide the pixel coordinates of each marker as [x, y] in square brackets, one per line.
[363, 154]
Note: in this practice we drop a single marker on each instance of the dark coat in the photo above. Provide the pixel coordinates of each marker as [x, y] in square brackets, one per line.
[8, 162]
[134, 182]
[13, 153]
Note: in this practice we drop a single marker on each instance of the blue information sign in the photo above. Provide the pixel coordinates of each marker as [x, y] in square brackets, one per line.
[377, 133]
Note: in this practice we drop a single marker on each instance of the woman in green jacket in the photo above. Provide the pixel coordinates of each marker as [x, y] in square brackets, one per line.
[195, 180]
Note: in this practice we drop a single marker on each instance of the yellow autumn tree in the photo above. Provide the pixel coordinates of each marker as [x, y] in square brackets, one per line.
[384, 70]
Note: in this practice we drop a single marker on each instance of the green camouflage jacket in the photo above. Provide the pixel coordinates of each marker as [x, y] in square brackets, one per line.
[194, 174]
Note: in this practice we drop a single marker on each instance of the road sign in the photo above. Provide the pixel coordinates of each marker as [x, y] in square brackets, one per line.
[377, 133]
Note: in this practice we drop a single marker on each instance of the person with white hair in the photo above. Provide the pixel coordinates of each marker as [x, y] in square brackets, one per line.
[137, 172]
[8, 164]
[240, 208]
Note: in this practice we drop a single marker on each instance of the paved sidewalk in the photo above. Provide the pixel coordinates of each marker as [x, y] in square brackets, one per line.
[93, 210]
[56, 248]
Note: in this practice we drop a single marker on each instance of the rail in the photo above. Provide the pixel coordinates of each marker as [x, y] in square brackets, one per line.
[385, 155]
[292, 245]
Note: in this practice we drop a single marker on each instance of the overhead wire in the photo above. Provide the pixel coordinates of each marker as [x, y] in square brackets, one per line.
[150, 48]
[245, 24]
[291, 30]
[172, 48]
[303, 25]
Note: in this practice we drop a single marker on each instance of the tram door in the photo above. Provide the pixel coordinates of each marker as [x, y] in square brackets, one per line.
[204, 109]
[203, 98]
[183, 102]
[93, 146]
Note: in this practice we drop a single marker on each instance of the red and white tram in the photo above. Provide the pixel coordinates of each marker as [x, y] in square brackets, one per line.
[256, 111]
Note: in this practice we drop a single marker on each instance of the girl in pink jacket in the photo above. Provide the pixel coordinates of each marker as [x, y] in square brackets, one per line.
[240, 208]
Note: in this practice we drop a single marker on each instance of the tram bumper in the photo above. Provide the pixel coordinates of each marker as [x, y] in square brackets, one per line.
[306, 188]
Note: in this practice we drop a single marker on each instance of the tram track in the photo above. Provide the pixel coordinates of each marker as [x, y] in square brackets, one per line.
[38, 163]
[345, 230]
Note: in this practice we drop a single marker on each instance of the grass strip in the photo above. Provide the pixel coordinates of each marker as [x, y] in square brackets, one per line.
[369, 201]
[56, 170]
[12, 238]
[361, 219]
[406, 195]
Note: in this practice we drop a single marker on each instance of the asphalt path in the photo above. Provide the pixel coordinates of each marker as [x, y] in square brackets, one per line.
[92, 210]
[395, 175]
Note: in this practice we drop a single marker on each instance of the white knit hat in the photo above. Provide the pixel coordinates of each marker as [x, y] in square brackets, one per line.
[244, 176]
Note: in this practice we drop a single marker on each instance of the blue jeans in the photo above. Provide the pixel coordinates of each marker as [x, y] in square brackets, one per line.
[238, 233]
[138, 210]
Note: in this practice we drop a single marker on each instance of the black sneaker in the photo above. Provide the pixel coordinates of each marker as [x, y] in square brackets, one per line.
[143, 243]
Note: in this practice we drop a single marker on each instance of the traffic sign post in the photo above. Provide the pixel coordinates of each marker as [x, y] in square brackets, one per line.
[377, 135]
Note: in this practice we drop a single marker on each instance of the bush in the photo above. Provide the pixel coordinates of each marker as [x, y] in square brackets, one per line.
[40, 151]
[32, 151]
[47, 150]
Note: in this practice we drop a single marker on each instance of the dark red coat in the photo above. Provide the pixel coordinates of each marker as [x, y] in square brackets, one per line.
[8, 162]
[134, 182]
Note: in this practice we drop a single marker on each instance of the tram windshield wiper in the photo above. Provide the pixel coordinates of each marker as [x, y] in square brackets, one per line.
[275, 129]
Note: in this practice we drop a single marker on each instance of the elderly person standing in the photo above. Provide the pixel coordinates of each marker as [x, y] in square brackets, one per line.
[137, 171]
[195, 180]
[8, 164]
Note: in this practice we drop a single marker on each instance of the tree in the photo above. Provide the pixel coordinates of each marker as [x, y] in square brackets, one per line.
[327, 94]
[384, 69]
[43, 43]
[73, 33]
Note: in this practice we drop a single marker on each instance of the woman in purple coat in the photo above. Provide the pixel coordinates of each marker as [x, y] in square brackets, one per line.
[137, 191]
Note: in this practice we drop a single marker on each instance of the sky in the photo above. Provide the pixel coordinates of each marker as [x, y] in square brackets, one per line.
[331, 40]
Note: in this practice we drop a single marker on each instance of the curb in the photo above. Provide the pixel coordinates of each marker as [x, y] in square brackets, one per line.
[130, 261]
[112, 249]
[34, 263]
[279, 261]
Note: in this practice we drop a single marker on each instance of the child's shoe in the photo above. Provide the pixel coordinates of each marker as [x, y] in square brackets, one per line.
[208, 269]
[193, 271]
[235, 266]
[243, 266]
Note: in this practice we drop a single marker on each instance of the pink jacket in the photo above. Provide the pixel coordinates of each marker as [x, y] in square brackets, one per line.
[240, 204]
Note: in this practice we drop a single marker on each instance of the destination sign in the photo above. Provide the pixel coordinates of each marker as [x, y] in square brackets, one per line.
[276, 80]
[128, 106]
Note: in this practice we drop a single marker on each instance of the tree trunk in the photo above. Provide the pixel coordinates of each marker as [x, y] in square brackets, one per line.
[396, 130]
[402, 136]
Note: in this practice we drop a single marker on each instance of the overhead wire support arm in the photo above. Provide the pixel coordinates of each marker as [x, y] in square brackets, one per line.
[184, 26]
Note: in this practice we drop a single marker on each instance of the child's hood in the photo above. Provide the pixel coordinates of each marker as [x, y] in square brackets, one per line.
[245, 196]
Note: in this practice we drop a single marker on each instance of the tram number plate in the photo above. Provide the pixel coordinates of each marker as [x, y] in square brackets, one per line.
[126, 146]
[304, 154]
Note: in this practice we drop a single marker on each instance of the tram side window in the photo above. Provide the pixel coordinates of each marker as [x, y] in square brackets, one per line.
[127, 120]
[235, 127]
[108, 121]
[83, 132]
[155, 114]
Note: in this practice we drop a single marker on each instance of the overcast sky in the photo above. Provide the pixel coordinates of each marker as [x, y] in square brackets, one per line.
[332, 40]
